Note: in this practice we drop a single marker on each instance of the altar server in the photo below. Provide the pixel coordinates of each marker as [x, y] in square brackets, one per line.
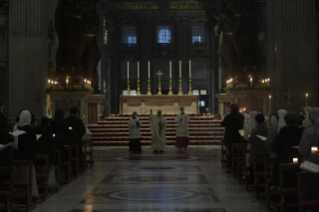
[158, 125]
[270, 119]
[134, 126]
[182, 134]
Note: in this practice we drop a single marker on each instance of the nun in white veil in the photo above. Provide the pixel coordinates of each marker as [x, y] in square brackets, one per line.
[306, 122]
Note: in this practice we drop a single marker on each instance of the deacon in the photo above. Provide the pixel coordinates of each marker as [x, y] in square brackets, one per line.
[134, 126]
[158, 125]
[182, 121]
[270, 119]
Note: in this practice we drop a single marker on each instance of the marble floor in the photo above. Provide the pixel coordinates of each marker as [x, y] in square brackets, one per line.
[175, 181]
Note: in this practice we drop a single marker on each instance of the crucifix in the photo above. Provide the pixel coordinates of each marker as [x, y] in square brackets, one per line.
[289, 94]
[159, 73]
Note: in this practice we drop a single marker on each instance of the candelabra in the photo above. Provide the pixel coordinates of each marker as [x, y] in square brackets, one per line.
[170, 93]
[180, 87]
[190, 87]
[149, 88]
[138, 87]
[128, 88]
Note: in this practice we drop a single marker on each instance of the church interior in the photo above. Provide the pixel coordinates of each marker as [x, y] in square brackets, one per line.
[159, 105]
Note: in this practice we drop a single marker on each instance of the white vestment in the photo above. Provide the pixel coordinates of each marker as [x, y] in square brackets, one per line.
[182, 125]
[158, 128]
[270, 121]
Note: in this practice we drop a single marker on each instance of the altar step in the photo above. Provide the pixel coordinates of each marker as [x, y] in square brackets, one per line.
[113, 131]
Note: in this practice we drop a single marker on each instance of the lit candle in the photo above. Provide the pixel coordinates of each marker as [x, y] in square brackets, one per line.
[180, 69]
[49, 81]
[67, 82]
[170, 69]
[306, 99]
[149, 69]
[263, 81]
[268, 82]
[295, 160]
[128, 69]
[138, 69]
[190, 69]
[314, 149]
[70, 128]
[251, 82]
[244, 109]
[270, 102]
[56, 82]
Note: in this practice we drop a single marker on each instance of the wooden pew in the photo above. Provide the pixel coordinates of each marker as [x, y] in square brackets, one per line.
[43, 177]
[306, 205]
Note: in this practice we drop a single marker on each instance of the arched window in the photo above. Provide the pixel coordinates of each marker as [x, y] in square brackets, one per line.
[164, 34]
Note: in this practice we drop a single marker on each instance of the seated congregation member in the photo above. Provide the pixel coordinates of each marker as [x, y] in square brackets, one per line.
[288, 137]
[57, 126]
[257, 145]
[135, 134]
[310, 138]
[46, 145]
[76, 129]
[232, 123]
[27, 143]
[45, 123]
[5, 138]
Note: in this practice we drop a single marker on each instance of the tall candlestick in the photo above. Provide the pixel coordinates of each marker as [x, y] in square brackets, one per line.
[268, 82]
[306, 99]
[149, 69]
[138, 69]
[170, 69]
[251, 82]
[180, 69]
[49, 81]
[128, 69]
[67, 83]
[270, 102]
[190, 69]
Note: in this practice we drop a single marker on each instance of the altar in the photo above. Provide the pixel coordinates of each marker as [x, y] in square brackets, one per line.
[169, 104]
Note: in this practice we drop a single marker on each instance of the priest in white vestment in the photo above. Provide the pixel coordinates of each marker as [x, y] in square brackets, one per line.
[182, 134]
[158, 125]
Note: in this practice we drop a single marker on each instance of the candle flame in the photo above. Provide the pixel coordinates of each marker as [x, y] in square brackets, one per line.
[306, 94]
[269, 96]
[49, 81]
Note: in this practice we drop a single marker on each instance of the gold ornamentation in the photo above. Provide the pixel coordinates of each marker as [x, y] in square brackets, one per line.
[159, 74]
[128, 88]
[170, 93]
[138, 87]
[149, 88]
[180, 87]
[190, 87]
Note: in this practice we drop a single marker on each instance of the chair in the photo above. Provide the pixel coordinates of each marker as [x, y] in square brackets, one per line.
[58, 168]
[43, 178]
[89, 153]
[241, 162]
[268, 194]
[25, 186]
[67, 165]
[75, 159]
[235, 157]
[306, 205]
[6, 196]
[259, 176]
[245, 169]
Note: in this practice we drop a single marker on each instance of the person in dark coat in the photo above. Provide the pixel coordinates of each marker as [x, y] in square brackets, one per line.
[232, 123]
[5, 138]
[57, 126]
[75, 131]
[257, 145]
[288, 136]
[46, 143]
[45, 123]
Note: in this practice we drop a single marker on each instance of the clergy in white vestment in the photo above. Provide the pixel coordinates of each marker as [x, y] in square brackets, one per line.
[306, 122]
[182, 134]
[270, 119]
[158, 125]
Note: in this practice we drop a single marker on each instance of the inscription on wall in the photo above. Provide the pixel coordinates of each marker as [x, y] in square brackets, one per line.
[181, 5]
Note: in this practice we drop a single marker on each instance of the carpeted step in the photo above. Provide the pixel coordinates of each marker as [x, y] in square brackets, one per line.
[117, 138]
[110, 125]
[169, 142]
[170, 133]
[147, 121]
[148, 129]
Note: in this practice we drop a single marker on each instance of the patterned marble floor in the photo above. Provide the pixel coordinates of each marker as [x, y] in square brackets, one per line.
[175, 181]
